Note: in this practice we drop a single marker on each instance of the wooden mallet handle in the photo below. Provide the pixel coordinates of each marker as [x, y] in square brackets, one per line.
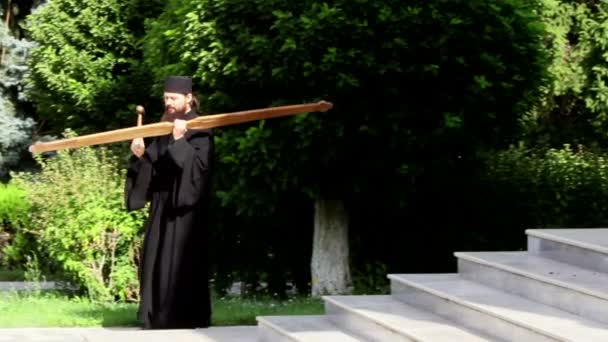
[140, 113]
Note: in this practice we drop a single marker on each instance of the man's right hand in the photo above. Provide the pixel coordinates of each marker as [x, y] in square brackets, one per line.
[138, 147]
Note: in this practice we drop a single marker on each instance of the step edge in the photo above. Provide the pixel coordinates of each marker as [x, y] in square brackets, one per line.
[547, 236]
[467, 256]
[262, 320]
[411, 335]
[449, 297]
[374, 320]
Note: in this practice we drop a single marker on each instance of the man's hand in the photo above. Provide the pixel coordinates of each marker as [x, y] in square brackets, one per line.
[179, 128]
[138, 147]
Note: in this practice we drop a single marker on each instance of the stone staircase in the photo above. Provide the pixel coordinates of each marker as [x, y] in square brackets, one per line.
[555, 291]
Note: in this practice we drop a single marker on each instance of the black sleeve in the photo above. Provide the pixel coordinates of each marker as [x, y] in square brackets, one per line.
[192, 155]
[139, 176]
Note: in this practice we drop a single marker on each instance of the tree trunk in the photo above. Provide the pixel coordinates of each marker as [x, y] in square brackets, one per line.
[330, 254]
[9, 9]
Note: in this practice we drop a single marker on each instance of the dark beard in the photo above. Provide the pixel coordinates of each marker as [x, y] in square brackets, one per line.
[171, 117]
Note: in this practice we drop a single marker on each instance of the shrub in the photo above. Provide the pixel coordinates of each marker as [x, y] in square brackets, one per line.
[79, 221]
[13, 216]
[565, 187]
[13, 207]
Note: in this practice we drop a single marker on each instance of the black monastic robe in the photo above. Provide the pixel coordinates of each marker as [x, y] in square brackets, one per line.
[173, 175]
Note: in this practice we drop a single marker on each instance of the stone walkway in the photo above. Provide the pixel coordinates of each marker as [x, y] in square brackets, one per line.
[213, 334]
[27, 285]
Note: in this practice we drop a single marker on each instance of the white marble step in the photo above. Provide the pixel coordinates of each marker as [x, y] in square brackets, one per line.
[497, 313]
[384, 318]
[305, 328]
[587, 248]
[571, 288]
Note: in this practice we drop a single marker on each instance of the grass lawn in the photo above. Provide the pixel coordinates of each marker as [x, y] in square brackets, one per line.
[56, 310]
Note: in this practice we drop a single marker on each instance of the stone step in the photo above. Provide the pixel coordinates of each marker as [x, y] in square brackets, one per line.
[494, 312]
[587, 248]
[384, 318]
[212, 334]
[570, 288]
[306, 328]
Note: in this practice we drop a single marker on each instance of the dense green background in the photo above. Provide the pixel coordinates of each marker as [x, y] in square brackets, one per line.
[456, 124]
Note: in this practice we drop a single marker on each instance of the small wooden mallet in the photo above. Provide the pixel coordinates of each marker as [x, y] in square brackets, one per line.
[140, 113]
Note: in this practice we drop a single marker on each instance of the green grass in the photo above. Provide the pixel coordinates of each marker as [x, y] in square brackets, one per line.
[56, 310]
[237, 311]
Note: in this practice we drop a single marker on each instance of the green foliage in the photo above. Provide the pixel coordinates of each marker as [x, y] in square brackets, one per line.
[371, 279]
[14, 216]
[383, 64]
[530, 187]
[20, 249]
[575, 103]
[33, 273]
[16, 137]
[85, 70]
[14, 208]
[79, 221]
[13, 123]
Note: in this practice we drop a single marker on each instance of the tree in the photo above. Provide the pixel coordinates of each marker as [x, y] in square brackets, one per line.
[15, 118]
[417, 86]
[575, 103]
[85, 70]
[554, 176]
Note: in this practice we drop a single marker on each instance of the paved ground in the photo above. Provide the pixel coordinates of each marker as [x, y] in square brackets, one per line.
[26, 285]
[213, 334]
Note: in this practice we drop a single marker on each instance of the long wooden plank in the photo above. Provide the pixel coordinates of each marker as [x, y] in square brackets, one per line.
[164, 128]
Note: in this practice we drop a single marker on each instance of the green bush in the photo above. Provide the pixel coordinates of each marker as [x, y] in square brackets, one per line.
[370, 278]
[14, 211]
[21, 247]
[576, 101]
[14, 207]
[567, 187]
[79, 221]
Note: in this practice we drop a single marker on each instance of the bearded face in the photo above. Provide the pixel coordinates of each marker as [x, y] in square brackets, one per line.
[176, 105]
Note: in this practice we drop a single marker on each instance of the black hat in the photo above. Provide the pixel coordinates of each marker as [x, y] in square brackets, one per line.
[178, 84]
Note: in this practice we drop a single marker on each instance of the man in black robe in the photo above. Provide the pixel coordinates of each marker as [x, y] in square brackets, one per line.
[173, 174]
